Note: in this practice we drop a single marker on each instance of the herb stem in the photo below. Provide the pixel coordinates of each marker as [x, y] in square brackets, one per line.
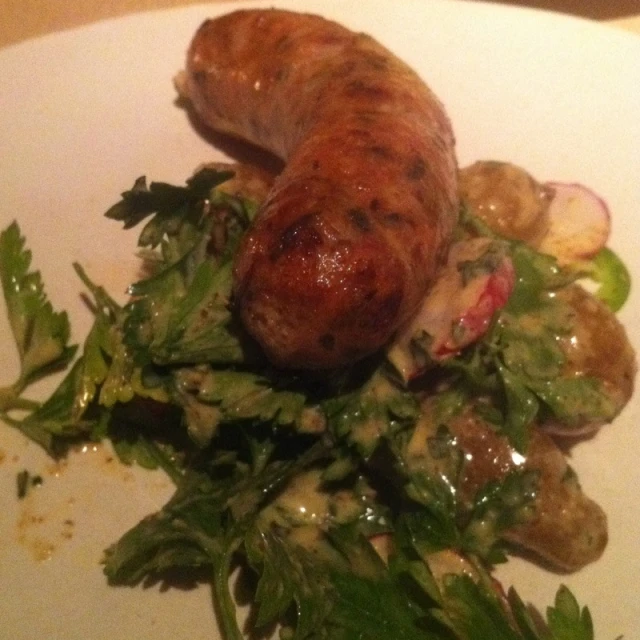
[223, 600]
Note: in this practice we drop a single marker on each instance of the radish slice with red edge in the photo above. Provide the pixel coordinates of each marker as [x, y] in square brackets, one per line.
[579, 223]
[470, 289]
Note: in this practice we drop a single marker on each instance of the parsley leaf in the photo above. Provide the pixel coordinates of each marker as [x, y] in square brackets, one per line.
[567, 621]
[41, 334]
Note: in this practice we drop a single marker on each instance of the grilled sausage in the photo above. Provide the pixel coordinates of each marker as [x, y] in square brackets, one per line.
[347, 243]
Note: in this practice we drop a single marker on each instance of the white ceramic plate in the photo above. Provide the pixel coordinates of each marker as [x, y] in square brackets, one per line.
[85, 112]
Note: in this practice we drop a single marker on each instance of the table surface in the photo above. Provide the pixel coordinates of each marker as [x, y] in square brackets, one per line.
[22, 19]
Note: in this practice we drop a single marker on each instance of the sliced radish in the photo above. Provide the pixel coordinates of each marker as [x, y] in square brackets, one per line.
[475, 283]
[579, 223]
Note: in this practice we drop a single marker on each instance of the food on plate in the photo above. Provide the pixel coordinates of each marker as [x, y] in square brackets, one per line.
[349, 239]
[335, 488]
[371, 500]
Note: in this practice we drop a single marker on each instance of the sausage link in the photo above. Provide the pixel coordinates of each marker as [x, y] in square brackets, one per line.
[347, 242]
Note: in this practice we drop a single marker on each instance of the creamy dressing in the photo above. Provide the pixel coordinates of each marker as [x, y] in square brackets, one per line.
[366, 433]
[305, 505]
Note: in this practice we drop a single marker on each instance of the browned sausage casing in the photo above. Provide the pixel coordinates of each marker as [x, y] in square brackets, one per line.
[348, 241]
